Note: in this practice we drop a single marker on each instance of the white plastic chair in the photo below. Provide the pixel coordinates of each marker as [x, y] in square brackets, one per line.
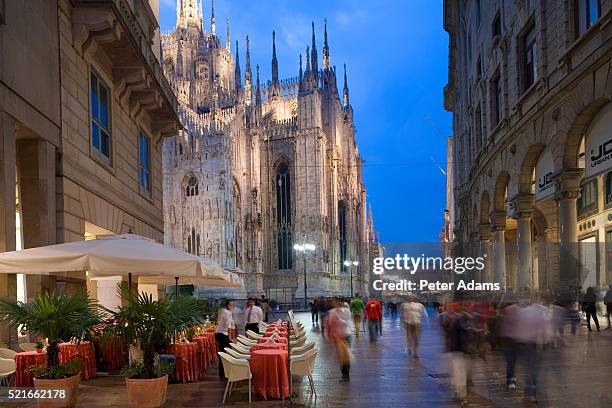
[7, 353]
[246, 342]
[241, 348]
[27, 346]
[298, 343]
[236, 354]
[235, 370]
[303, 364]
[252, 335]
[301, 350]
[7, 369]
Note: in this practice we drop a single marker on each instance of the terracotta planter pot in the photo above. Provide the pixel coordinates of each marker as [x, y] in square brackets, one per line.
[70, 385]
[149, 393]
[40, 350]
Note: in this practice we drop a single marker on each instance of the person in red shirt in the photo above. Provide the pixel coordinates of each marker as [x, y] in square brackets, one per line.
[373, 314]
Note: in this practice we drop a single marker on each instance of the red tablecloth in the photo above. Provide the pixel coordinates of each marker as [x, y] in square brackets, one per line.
[85, 352]
[24, 360]
[273, 346]
[270, 376]
[208, 348]
[27, 359]
[112, 353]
[188, 361]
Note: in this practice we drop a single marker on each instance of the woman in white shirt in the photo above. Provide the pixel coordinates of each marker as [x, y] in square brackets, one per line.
[225, 330]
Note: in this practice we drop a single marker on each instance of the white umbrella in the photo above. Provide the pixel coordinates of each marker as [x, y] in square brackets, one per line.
[113, 256]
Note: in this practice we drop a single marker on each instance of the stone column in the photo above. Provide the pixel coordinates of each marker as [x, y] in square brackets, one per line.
[36, 164]
[498, 227]
[8, 282]
[522, 209]
[486, 251]
[567, 191]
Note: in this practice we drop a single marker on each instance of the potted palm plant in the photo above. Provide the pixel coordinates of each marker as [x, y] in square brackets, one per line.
[58, 316]
[150, 323]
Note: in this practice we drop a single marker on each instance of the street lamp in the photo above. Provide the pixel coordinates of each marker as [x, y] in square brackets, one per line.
[348, 264]
[304, 249]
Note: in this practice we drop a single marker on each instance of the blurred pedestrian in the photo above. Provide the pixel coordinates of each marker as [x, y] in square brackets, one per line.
[412, 313]
[356, 308]
[265, 307]
[373, 314]
[461, 351]
[590, 308]
[314, 311]
[608, 300]
[340, 327]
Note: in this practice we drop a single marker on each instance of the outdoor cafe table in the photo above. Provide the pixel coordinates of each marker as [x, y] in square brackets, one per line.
[26, 359]
[270, 375]
[208, 348]
[188, 361]
[112, 353]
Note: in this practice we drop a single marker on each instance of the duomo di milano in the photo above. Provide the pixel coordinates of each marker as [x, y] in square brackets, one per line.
[260, 167]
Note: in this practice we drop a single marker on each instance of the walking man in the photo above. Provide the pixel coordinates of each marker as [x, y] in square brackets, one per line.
[373, 313]
[412, 314]
[339, 326]
[254, 316]
[357, 312]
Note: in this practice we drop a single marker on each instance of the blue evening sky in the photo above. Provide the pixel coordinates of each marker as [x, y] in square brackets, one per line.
[396, 54]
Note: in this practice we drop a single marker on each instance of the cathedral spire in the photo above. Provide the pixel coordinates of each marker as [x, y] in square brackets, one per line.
[346, 90]
[274, 60]
[313, 57]
[237, 77]
[200, 17]
[325, 49]
[258, 87]
[248, 79]
[212, 17]
[300, 77]
[307, 74]
[227, 35]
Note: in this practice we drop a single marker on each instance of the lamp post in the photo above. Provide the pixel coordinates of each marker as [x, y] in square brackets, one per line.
[304, 249]
[348, 264]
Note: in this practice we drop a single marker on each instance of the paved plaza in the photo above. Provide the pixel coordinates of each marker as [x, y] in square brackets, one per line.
[384, 375]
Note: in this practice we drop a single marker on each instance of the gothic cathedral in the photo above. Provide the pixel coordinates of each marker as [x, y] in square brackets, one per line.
[260, 167]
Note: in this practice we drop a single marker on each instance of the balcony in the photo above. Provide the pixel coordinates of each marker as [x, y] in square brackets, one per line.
[124, 30]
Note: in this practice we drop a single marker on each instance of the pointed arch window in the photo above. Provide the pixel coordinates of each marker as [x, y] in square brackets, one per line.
[192, 187]
[193, 242]
[342, 234]
[283, 216]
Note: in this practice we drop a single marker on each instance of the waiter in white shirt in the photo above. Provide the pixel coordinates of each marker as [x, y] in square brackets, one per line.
[253, 316]
[225, 330]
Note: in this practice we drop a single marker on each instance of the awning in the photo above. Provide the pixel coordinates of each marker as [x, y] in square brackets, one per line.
[117, 255]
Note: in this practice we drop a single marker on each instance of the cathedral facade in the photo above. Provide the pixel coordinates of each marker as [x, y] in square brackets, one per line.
[261, 167]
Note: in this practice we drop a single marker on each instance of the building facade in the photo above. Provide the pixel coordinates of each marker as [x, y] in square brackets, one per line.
[530, 88]
[260, 167]
[84, 106]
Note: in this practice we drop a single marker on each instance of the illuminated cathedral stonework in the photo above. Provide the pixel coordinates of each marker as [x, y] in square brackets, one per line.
[260, 167]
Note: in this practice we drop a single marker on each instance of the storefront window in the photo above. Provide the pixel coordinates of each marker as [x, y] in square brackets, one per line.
[609, 189]
[587, 203]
